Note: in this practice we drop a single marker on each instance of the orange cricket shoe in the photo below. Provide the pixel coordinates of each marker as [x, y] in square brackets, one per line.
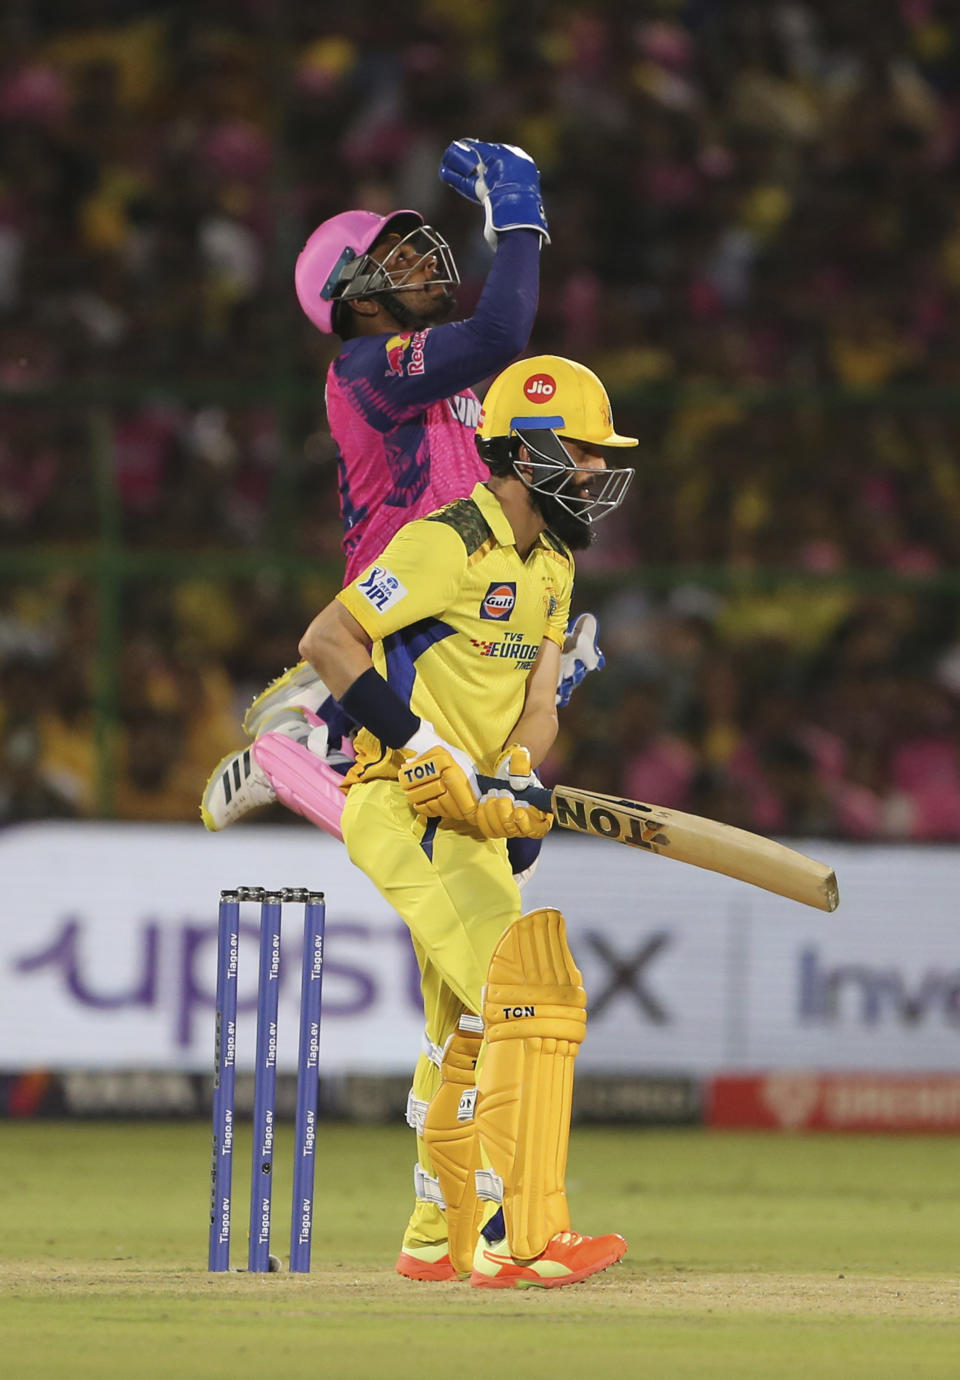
[567, 1259]
[428, 1264]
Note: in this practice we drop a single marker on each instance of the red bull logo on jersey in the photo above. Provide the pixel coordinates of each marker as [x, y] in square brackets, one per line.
[405, 354]
[499, 600]
[540, 388]
[396, 347]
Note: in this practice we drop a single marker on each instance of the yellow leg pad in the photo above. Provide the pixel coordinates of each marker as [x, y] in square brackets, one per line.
[535, 1017]
[450, 1132]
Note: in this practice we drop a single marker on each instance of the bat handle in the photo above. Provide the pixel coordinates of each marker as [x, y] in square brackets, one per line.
[538, 796]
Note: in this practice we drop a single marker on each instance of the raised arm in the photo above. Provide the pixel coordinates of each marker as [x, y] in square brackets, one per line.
[398, 376]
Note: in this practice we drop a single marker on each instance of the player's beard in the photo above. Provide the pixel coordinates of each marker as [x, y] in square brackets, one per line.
[439, 309]
[572, 530]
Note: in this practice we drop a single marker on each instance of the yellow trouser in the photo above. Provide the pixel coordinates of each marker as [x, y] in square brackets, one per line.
[457, 895]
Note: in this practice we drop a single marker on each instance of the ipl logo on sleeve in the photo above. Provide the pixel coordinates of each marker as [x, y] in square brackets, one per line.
[381, 588]
[499, 600]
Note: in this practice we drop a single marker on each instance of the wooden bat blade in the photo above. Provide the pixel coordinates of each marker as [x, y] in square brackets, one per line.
[691, 839]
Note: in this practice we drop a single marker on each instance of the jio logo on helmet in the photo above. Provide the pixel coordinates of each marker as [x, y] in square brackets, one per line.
[498, 601]
[540, 388]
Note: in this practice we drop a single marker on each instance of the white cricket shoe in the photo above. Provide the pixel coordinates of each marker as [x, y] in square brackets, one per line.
[298, 688]
[238, 784]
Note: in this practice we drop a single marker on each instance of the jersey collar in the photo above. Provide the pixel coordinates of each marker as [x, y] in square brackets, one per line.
[495, 517]
[498, 522]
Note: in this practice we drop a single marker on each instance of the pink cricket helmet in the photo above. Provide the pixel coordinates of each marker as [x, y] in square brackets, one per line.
[332, 248]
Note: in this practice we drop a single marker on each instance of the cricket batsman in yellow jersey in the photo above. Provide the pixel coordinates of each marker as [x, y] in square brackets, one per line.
[446, 652]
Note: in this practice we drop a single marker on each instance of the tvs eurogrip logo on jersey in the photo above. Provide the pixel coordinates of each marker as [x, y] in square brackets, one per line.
[540, 388]
[497, 604]
[511, 647]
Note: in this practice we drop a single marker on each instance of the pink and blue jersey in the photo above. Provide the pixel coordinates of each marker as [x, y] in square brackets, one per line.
[402, 412]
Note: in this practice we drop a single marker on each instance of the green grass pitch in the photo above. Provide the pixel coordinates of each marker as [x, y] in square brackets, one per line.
[750, 1256]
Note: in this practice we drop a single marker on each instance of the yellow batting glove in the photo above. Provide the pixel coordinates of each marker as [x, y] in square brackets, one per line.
[513, 766]
[500, 816]
[439, 779]
[436, 785]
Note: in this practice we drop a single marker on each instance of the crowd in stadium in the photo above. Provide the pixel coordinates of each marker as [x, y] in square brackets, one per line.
[755, 213]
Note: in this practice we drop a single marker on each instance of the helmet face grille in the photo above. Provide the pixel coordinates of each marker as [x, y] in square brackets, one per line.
[552, 469]
[366, 277]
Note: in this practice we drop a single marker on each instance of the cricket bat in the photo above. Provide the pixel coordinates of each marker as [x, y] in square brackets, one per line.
[688, 838]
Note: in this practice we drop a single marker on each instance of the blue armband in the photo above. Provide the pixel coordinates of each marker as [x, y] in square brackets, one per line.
[372, 702]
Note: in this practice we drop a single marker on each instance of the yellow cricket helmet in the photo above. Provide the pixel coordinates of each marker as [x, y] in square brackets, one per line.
[534, 403]
[550, 393]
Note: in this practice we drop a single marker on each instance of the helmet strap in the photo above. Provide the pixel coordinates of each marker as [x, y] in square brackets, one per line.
[400, 312]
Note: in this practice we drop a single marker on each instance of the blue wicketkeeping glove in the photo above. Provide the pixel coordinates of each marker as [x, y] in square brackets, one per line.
[580, 654]
[503, 180]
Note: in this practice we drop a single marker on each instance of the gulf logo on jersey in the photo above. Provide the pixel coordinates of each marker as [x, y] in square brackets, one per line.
[499, 600]
[540, 388]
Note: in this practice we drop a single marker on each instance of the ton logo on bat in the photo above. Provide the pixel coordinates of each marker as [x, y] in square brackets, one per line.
[641, 833]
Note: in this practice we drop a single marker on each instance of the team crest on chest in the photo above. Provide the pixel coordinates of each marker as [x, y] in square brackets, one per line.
[497, 604]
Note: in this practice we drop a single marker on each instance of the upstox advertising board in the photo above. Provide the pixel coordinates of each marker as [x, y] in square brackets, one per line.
[108, 954]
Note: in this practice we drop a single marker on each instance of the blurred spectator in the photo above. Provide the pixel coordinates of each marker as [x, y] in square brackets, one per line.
[753, 206]
[25, 792]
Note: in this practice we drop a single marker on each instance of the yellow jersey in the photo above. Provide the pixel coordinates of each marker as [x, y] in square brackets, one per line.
[456, 619]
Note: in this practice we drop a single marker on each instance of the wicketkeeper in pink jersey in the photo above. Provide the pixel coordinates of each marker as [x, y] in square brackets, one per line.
[403, 415]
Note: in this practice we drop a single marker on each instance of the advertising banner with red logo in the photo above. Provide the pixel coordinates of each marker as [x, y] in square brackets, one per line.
[787, 1101]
